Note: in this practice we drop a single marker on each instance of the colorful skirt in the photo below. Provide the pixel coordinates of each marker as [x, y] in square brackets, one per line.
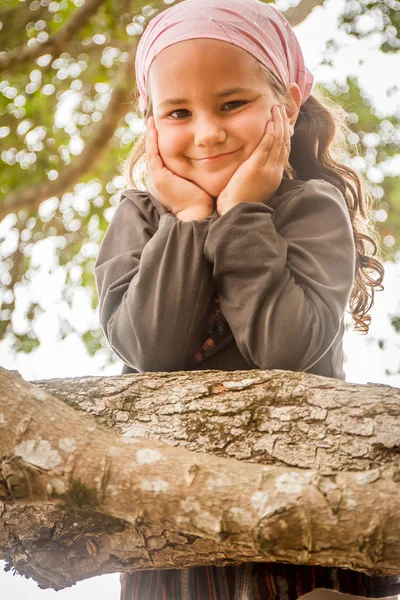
[252, 581]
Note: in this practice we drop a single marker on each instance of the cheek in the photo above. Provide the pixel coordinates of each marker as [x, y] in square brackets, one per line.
[252, 132]
[171, 143]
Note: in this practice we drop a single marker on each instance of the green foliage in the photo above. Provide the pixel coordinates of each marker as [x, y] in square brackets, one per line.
[396, 323]
[362, 18]
[375, 142]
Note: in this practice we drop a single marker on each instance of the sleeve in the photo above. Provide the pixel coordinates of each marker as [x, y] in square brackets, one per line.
[154, 287]
[284, 286]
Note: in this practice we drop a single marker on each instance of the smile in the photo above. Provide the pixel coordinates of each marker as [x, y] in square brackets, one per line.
[211, 159]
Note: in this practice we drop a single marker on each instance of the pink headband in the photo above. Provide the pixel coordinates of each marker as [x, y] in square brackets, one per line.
[252, 25]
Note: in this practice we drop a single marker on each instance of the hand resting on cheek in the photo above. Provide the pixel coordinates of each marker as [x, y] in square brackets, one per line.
[175, 193]
[258, 177]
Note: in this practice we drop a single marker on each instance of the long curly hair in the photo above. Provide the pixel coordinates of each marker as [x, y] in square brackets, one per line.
[320, 137]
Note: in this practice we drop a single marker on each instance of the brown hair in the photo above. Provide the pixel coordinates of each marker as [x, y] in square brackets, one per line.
[320, 136]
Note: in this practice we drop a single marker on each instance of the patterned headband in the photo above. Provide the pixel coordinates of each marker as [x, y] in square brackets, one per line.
[251, 25]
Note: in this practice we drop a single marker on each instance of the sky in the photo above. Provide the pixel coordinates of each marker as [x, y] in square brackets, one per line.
[365, 362]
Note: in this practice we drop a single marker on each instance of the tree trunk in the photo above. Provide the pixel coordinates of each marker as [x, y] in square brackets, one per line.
[194, 468]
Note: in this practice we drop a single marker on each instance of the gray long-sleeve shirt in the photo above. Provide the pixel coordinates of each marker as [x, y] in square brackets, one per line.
[283, 272]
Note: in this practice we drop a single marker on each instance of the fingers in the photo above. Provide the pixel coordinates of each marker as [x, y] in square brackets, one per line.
[274, 146]
[153, 157]
[280, 148]
[266, 143]
[284, 156]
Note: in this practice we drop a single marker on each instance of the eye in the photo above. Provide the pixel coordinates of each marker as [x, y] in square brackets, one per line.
[181, 110]
[236, 102]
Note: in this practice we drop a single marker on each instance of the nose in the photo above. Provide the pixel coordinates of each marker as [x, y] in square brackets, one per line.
[209, 131]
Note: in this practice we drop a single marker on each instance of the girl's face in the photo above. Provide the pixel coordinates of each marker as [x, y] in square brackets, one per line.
[200, 112]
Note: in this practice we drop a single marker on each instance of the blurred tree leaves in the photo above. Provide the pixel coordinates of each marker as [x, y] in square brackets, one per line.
[363, 17]
[51, 108]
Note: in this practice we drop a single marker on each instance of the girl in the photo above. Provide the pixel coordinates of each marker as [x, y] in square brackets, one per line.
[247, 245]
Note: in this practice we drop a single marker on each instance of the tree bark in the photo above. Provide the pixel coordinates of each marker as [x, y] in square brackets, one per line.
[151, 479]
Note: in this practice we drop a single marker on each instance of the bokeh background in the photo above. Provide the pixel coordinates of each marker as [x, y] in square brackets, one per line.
[67, 122]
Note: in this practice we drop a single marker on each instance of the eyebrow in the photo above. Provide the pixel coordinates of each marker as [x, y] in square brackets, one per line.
[223, 94]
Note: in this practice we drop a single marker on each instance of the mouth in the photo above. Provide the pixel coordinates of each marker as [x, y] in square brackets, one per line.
[217, 157]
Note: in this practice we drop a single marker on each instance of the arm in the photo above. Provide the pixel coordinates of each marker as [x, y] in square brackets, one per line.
[284, 286]
[154, 286]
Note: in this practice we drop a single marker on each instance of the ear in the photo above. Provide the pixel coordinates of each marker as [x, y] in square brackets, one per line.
[293, 104]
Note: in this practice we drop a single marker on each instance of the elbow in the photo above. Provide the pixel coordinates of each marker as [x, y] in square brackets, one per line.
[267, 355]
[283, 361]
[141, 352]
[292, 347]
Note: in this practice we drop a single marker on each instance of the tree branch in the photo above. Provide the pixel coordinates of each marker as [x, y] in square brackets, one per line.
[56, 44]
[297, 14]
[189, 508]
[75, 48]
[14, 21]
[312, 423]
[95, 146]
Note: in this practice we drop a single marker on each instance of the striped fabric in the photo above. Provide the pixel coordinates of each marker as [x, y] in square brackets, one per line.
[251, 581]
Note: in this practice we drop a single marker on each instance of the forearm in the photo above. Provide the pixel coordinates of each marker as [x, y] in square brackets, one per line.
[154, 292]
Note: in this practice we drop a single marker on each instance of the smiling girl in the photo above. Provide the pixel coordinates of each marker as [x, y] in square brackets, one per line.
[247, 244]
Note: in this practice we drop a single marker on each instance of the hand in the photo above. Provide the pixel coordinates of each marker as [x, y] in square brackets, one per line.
[174, 192]
[258, 177]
